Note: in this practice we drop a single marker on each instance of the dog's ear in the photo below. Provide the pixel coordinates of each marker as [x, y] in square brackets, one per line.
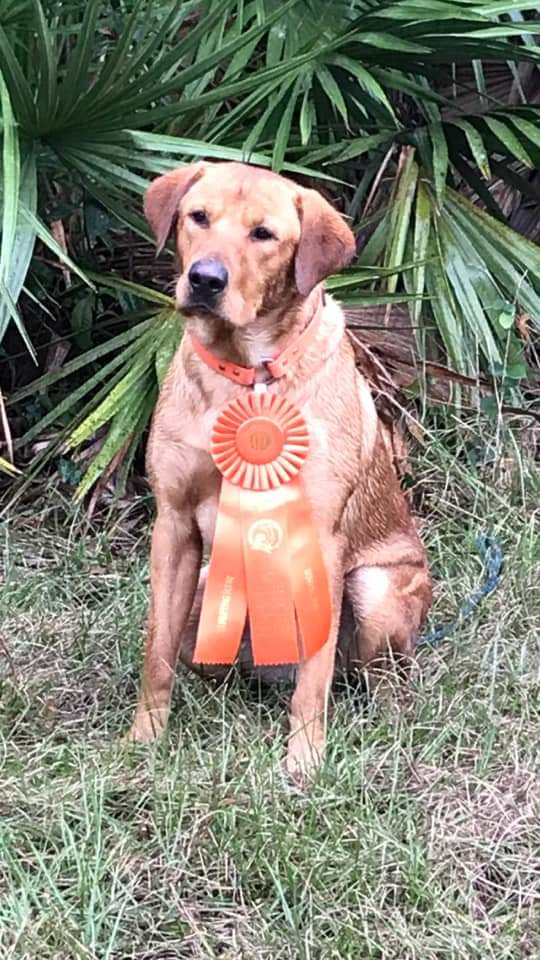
[326, 243]
[162, 199]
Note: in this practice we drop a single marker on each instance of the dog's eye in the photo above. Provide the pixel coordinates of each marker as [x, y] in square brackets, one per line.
[200, 217]
[262, 233]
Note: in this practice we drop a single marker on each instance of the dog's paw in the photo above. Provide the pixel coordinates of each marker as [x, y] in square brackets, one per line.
[295, 778]
[147, 726]
[302, 761]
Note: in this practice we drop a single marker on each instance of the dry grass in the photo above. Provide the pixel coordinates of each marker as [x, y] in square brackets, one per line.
[419, 840]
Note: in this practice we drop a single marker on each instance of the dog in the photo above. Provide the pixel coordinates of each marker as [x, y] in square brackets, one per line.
[254, 249]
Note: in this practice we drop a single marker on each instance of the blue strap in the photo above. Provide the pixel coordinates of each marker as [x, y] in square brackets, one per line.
[492, 556]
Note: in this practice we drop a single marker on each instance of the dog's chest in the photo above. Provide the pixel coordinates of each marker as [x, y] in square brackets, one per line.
[196, 431]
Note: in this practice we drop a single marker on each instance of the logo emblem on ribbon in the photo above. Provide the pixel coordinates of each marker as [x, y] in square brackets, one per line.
[265, 535]
[266, 562]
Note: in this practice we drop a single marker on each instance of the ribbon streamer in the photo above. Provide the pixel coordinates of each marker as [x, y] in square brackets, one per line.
[266, 561]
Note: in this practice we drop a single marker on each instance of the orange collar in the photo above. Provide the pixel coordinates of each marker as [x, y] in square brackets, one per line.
[277, 366]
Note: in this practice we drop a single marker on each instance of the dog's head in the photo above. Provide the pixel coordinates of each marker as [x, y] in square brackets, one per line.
[248, 240]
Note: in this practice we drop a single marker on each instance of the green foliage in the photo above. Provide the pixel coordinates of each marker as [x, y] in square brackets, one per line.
[375, 96]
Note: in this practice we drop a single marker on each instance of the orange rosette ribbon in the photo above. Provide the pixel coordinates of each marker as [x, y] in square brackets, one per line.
[266, 562]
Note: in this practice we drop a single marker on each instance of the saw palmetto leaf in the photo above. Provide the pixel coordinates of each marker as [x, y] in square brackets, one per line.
[476, 146]
[400, 213]
[11, 175]
[141, 356]
[122, 426]
[422, 226]
[128, 406]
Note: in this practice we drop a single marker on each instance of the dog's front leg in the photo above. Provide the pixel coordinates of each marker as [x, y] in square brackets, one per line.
[175, 561]
[309, 704]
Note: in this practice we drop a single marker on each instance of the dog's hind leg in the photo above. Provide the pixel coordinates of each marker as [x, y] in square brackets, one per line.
[389, 602]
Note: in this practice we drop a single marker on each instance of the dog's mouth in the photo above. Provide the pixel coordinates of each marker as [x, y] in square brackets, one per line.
[193, 307]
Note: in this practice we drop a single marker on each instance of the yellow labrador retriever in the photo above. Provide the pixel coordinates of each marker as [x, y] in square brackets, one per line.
[254, 250]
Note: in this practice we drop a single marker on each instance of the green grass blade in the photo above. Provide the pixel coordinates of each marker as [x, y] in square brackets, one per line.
[356, 276]
[105, 172]
[472, 177]
[480, 79]
[389, 41]
[392, 79]
[490, 292]
[350, 149]
[11, 173]
[377, 244]
[375, 299]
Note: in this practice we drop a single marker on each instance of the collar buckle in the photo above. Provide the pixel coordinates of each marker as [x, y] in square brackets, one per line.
[261, 386]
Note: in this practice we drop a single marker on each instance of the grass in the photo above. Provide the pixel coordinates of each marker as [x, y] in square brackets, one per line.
[419, 839]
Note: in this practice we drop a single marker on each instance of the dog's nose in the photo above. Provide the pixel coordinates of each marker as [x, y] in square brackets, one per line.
[208, 277]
